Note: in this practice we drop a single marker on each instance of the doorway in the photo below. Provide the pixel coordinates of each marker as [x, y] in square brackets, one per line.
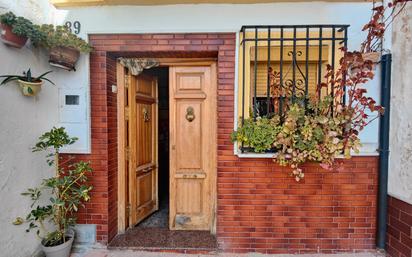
[167, 172]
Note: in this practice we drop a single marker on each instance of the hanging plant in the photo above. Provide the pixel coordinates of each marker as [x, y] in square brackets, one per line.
[15, 30]
[324, 128]
[64, 46]
[30, 86]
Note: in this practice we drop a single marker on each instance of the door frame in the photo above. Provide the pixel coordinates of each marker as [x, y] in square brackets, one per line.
[122, 184]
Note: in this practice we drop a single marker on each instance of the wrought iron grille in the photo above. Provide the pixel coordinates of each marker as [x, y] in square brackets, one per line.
[283, 64]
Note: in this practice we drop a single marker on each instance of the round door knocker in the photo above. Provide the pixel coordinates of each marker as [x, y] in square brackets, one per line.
[190, 114]
[146, 116]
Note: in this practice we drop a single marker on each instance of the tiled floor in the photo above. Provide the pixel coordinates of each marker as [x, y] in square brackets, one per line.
[128, 253]
[159, 219]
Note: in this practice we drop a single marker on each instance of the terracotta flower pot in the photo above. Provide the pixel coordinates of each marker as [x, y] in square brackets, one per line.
[64, 57]
[30, 88]
[11, 39]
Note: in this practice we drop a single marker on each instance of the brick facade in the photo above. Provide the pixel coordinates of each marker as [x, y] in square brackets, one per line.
[260, 207]
[399, 234]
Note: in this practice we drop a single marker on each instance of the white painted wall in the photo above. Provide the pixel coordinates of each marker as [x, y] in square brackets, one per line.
[400, 156]
[22, 121]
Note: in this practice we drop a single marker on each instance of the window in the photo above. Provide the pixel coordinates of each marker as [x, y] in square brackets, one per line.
[279, 65]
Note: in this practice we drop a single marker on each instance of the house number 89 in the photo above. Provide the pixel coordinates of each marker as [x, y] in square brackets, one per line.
[75, 26]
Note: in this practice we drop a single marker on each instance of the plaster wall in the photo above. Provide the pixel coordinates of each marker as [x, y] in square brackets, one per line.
[400, 174]
[22, 121]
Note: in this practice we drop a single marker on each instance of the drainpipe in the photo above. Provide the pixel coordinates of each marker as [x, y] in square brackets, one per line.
[384, 151]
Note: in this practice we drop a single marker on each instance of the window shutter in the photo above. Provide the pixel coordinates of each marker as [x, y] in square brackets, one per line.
[262, 74]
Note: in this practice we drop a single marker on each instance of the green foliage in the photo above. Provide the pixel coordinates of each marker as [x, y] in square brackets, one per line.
[309, 134]
[20, 26]
[52, 36]
[68, 188]
[259, 134]
[8, 19]
[55, 139]
[23, 27]
[25, 77]
[46, 35]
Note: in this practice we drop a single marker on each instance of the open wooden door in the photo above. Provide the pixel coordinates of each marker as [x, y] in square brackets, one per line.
[141, 149]
[193, 146]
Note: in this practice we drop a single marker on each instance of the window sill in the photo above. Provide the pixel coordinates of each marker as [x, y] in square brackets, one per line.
[368, 149]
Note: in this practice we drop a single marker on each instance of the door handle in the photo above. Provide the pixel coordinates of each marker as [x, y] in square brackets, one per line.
[190, 114]
[146, 115]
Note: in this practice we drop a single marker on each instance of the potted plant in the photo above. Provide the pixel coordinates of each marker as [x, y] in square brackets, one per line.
[29, 85]
[68, 188]
[14, 30]
[63, 45]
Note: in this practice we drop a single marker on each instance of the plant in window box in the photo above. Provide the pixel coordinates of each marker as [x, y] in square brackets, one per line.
[30, 86]
[306, 134]
[68, 189]
[15, 30]
[258, 135]
[328, 126]
[64, 46]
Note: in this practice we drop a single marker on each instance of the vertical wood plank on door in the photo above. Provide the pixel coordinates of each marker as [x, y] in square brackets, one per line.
[213, 148]
[133, 187]
[122, 223]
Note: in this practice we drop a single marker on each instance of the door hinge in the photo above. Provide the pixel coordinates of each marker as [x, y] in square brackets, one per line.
[126, 81]
[127, 153]
[126, 113]
[128, 210]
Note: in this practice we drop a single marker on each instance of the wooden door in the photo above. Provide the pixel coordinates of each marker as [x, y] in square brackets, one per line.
[193, 147]
[142, 147]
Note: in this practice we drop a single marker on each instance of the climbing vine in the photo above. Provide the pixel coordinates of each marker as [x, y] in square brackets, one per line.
[322, 128]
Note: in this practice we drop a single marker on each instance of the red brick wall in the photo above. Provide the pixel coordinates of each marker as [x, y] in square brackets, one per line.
[112, 146]
[260, 207]
[399, 234]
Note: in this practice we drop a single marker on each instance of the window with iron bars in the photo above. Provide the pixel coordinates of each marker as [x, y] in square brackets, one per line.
[280, 65]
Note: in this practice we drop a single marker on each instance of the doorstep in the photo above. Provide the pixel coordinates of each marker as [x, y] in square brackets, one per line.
[165, 240]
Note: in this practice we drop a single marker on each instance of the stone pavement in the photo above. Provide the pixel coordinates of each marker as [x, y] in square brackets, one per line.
[128, 253]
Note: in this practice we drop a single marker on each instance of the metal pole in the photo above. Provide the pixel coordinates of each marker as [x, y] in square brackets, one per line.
[384, 151]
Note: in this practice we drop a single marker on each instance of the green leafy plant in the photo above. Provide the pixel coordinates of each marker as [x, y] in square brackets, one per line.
[8, 19]
[306, 134]
[52, 36]
[20, 26]
[258, 135]
[27, 76]
[68, 188]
